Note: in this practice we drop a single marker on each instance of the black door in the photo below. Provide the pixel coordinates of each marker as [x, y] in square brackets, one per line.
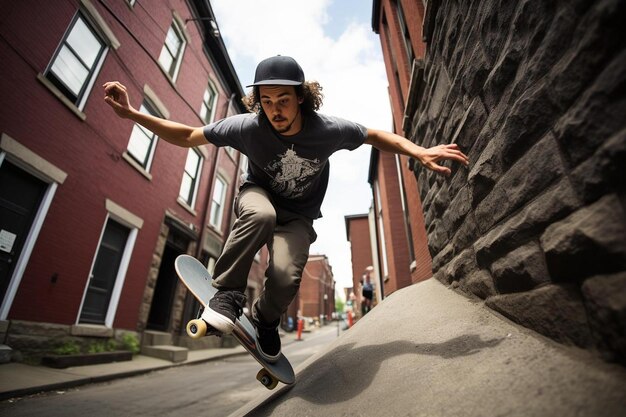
[104, 274]
[164, 291]
[20, 197]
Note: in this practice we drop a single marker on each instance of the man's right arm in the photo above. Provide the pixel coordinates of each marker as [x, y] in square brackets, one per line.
[173, 132]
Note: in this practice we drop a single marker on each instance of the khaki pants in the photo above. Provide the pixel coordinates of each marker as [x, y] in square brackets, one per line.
[288, 237]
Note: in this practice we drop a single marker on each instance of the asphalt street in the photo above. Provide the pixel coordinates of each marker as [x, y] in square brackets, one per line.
[210, 389]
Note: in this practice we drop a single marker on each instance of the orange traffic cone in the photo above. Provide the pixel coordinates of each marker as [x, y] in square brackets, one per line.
[300, 327]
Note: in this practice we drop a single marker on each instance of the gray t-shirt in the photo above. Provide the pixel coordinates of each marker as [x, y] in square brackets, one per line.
[293, 169]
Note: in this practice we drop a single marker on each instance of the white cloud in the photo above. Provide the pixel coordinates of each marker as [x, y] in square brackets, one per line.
[350, 68]
[262, 28]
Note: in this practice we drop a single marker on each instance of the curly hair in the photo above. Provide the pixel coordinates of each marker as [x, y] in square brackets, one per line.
[311, 91]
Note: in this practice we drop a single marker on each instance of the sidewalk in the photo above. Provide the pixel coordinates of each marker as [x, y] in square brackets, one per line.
[18, 379]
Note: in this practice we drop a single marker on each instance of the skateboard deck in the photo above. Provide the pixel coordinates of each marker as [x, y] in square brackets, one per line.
[198, 281]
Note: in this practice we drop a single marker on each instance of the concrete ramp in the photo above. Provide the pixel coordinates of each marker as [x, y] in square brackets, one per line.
[429, 351]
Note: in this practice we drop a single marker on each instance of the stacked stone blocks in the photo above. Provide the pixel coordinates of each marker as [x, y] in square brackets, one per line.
[535, 93]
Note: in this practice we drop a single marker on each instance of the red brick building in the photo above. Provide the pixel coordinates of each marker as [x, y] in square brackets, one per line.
[94, 208]
[358, 234]
[317, 289]
[402, 248]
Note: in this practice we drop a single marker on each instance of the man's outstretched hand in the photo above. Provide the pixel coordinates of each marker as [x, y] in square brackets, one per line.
[115, 95]
[428, 157]
[431, 156]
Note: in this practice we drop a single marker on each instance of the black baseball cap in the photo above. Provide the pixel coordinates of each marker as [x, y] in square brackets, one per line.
[278, 70]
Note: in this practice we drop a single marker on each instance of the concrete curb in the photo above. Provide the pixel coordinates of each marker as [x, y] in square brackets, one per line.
[74, 377]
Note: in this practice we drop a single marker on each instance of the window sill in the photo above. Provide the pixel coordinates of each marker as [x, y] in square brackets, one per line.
[42, 79]
[215, 230]
[184, 205]
[136, 165]
[169, 78]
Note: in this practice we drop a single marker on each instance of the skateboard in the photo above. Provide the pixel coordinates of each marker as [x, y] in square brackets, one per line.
[198, 281]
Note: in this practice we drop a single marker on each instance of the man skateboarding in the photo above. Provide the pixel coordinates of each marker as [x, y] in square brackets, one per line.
[288, 145]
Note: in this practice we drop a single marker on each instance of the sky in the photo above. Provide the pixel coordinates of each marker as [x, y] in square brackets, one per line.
[334, 43]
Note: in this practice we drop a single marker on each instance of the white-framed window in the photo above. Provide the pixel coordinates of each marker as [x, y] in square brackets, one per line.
[172, 52]
[243, 164]
[406, 36]
[231, 151]
[209, 101]
[77, 61]
[191, 177]
[381, 229]
[405, 210]
[217, 202]
[142, 142]
[211, 265]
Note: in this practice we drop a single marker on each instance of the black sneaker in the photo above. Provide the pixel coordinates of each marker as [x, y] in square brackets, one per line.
[224, 308]
[267, 340]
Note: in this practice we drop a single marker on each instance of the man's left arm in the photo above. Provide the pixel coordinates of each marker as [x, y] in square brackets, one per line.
[429, 157]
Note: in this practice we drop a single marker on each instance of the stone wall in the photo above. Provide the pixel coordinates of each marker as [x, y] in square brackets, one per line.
[32, 340]
[535, 93]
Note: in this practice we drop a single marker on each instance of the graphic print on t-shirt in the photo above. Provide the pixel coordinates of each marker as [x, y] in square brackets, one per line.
[292, 175]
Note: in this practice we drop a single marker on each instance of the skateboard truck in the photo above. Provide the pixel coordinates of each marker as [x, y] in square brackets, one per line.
[198, 328]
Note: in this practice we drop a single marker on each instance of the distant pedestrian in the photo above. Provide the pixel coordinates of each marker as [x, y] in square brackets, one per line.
[367, 291]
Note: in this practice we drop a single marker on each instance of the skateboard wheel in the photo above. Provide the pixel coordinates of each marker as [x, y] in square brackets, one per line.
[196, 328]
[266, 379]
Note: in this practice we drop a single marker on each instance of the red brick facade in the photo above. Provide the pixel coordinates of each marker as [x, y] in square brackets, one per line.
[358, 233]
[86, 147]
[395, 270]
[400, 235]
[386, 22]
[317, 289]
[421, 262]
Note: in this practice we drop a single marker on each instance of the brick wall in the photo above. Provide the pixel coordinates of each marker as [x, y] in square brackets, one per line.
[91, 151]
[397, 252]
[361, 252]
[421, 262]
[360, 246]
[317, 280]
[386, 22]
[534, 93]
